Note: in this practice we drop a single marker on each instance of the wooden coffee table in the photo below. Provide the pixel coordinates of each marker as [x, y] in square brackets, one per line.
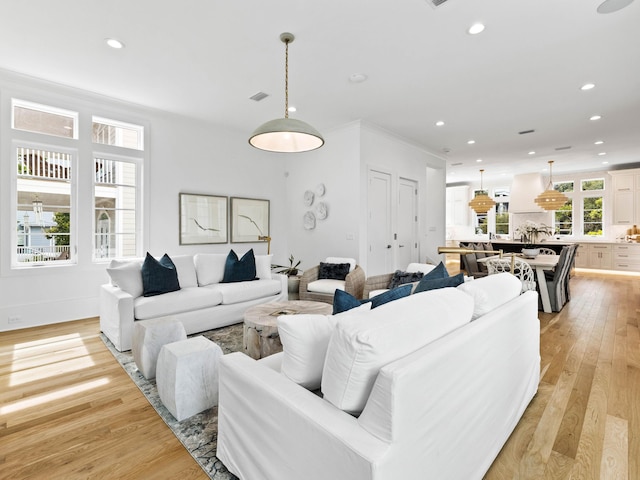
[260, 332]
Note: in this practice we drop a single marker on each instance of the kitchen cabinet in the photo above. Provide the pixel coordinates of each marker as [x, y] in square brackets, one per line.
[599, 255]
[626, 257]
[626, 196]
[582, 256]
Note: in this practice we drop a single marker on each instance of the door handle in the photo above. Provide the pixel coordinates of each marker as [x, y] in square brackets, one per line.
[388, 246]
[401, 246]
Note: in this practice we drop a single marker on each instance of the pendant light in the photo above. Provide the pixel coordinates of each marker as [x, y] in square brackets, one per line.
[482, 203]
[551, 199]
[286, 135]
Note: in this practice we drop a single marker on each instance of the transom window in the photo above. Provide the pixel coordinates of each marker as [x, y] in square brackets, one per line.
[44, 119]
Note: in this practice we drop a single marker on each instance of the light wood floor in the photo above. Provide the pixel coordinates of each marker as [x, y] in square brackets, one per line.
[67, 409]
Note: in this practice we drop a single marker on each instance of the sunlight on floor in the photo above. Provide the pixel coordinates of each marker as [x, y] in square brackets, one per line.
[52, 396]
[42, 359]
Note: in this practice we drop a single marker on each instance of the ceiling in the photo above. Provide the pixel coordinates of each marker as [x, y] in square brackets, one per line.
[204, 59]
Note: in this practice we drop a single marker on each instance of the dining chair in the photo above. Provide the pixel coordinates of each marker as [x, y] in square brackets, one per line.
[547, 251]
[558, 279]
[521, 269]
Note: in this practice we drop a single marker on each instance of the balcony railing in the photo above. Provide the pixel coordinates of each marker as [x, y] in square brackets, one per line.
[43, 254]
[44, 164]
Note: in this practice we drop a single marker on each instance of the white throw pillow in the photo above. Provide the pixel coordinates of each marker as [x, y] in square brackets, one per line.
[350, 261]
[491, 291]
[420, 267]
[210, 267]
[326, 285]
[263, 266]
[186, 269]
[360, 347]
[127, 276]
[305, 339]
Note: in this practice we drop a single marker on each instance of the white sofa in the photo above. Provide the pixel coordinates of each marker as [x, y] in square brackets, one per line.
[441, 410]
[202, 303]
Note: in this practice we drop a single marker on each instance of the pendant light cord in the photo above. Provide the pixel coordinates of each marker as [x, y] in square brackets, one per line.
[286, 79]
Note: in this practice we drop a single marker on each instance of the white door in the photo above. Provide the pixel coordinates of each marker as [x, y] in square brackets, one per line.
[407, 223]
[380, 253]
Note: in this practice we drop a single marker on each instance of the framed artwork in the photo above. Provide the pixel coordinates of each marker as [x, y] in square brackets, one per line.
[203, 219]
[249, 219]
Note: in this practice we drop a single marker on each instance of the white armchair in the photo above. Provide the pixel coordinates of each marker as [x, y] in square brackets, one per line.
[322, 290]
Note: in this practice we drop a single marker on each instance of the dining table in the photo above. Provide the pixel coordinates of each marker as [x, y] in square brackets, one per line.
[540, 263]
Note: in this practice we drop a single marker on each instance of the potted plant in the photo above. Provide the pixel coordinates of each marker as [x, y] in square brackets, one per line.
[529, 232]
[292, 272]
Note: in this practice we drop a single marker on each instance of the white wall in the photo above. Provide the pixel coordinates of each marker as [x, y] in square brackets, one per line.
[186, 156]
[337, 166]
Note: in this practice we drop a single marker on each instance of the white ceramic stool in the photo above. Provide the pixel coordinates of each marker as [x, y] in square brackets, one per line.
[148, 338]
[187, 376]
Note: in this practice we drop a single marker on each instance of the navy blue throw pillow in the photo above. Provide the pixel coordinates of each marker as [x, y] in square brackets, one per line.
[343, 301]
[159, 276]
[242, 270]
[439, 272]
[391, 295]
[333, 271]
[402, 278]
[433, 283]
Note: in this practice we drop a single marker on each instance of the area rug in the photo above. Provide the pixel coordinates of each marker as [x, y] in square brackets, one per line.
[198, 434]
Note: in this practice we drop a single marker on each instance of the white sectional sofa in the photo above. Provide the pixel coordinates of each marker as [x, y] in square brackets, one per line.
[202, 303]
[441, 379]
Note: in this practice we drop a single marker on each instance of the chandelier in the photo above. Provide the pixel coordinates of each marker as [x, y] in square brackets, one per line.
[482, 203]
[551, 199]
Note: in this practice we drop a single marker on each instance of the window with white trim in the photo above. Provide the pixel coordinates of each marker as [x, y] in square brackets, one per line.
[51, 160]
[563, 216]
[592, 207]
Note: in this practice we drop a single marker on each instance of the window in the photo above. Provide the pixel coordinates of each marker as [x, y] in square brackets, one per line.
[589, 185]
[592, 216]
[563, 217]
[115, 208]
[43, 214]
[54, 172]
[119, 134]
[33, 117]
[592, 207]
[501, 196]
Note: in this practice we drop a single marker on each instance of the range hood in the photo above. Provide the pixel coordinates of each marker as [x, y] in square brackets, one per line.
[524, 189]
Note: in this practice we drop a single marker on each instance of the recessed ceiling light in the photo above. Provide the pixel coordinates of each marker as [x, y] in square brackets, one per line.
[599, 142]
[605, 163]
[114, 43]
[439, 123]
[475, 28]
[587, 86]
[595, 117]
[471, 142]
[357, 77]
[532, 152]
[292, 109]
[602, 153]
[479, 160]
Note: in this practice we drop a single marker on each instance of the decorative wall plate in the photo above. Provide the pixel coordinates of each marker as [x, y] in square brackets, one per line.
[321, 211]
[320, 189]
[309, 221]
[308, 198]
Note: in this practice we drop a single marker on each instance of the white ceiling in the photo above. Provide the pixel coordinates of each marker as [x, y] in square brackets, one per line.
[204, 59]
